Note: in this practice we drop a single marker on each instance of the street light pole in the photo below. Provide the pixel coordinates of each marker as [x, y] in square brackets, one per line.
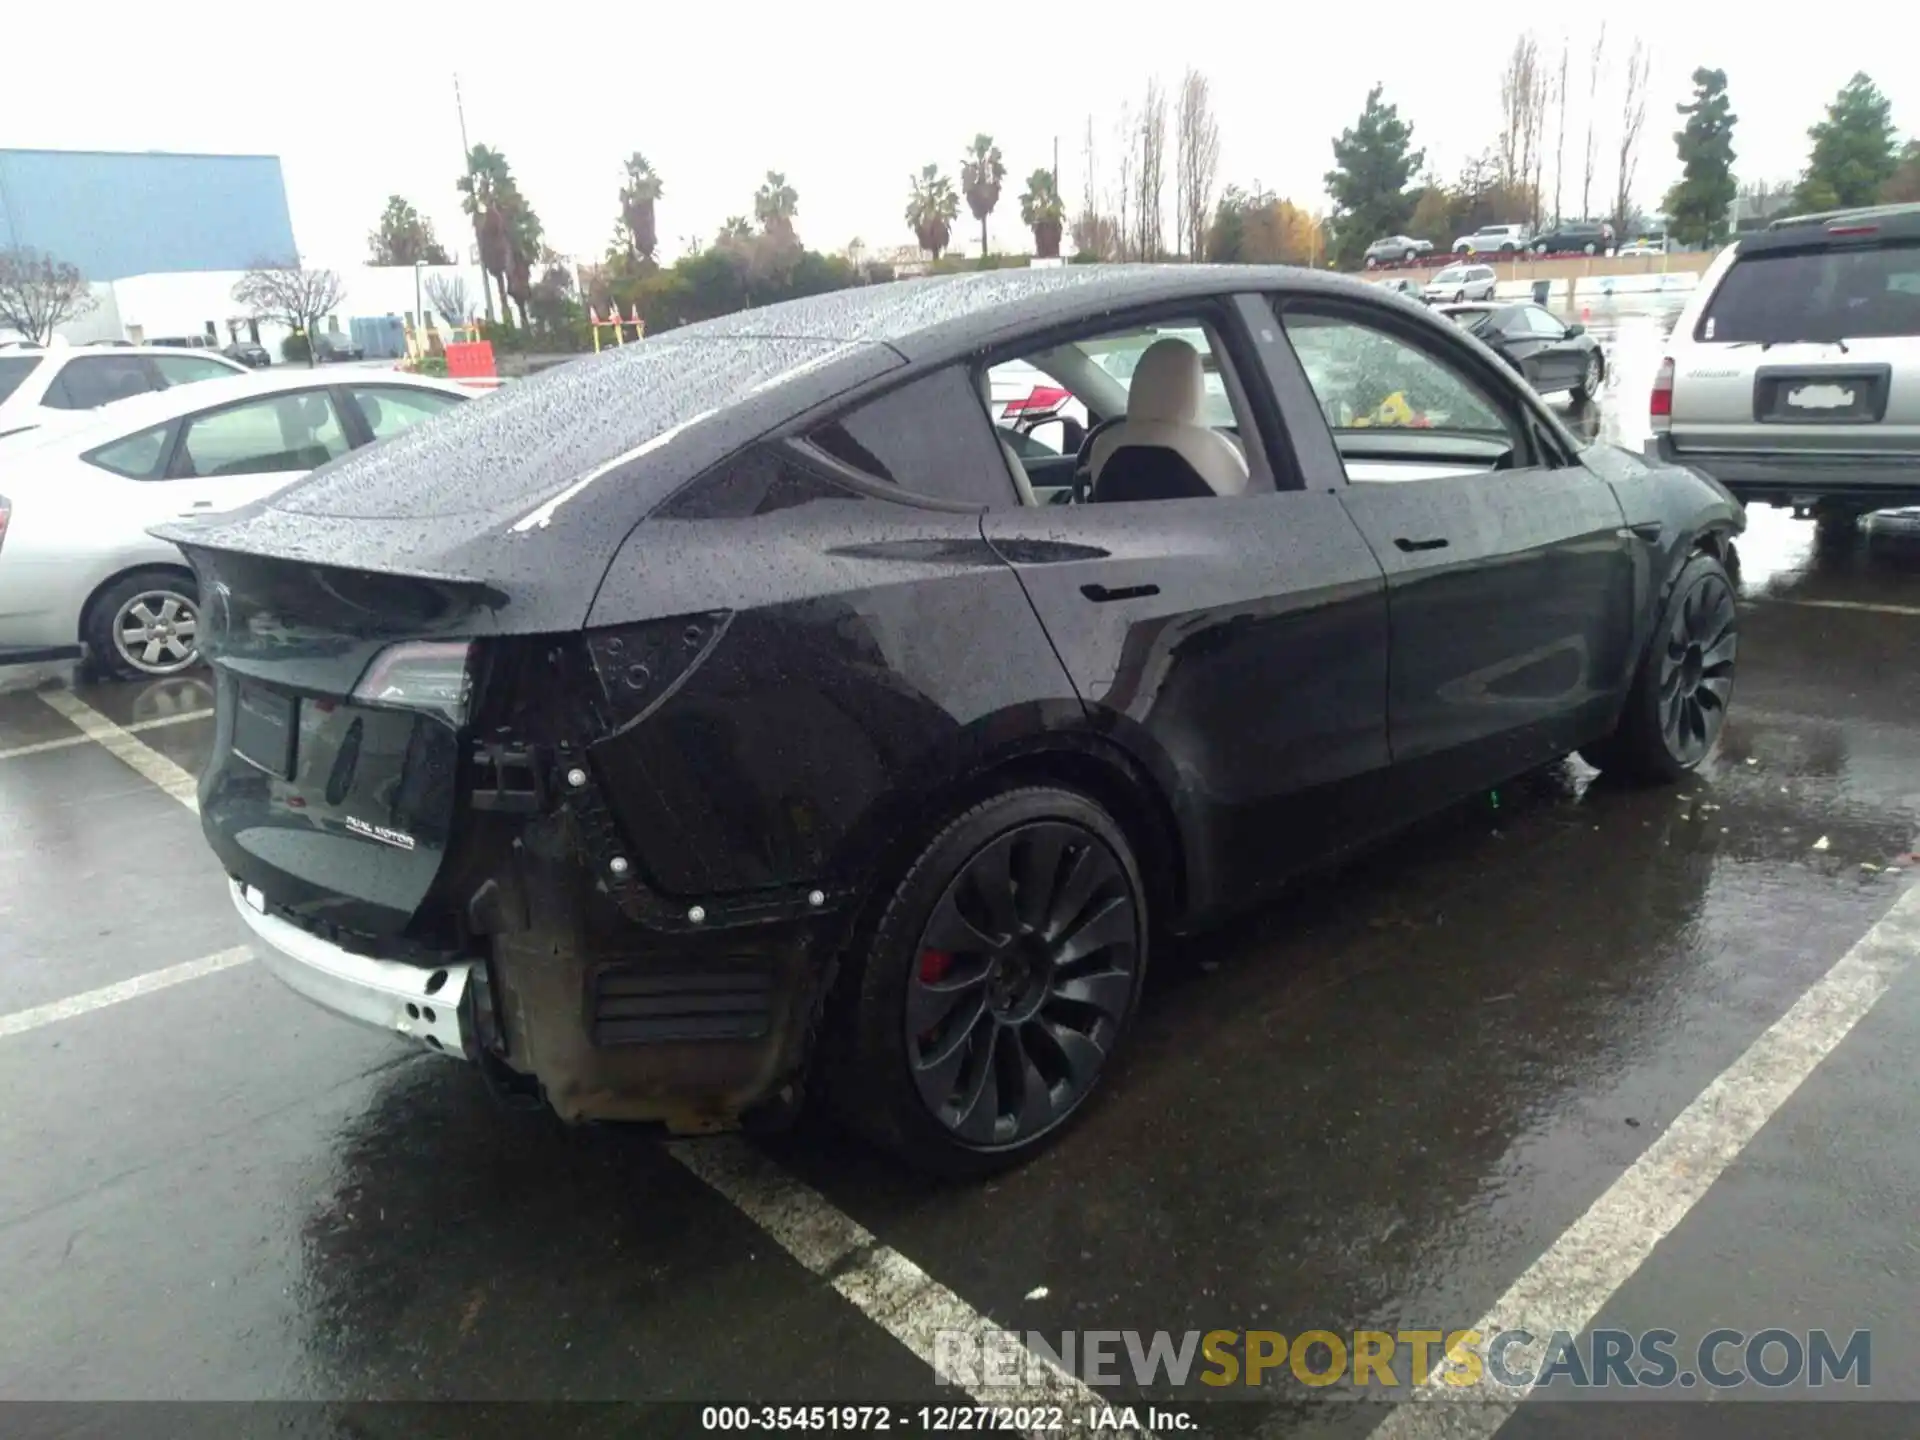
[473, 191]
[419, 315]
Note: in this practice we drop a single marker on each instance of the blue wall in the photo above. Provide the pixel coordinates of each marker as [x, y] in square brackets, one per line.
[115, 214]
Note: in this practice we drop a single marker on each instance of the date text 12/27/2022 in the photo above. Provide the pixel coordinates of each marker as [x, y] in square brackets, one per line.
[945, 1419]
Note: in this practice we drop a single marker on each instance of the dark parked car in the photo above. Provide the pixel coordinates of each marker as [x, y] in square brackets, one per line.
[335, 345]
[1580, 237]
[249, 353]
[732, 718]
[1395, 250]
[1551, 354]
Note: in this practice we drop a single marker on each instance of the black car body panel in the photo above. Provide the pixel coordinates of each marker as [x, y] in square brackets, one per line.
[714, 685]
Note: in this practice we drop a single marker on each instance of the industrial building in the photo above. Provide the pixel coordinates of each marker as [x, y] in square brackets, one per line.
[115, 214]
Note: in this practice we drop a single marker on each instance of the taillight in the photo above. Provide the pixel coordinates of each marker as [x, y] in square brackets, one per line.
[1038, 401]
[6, 514]
[1660, 403]
[427, 675]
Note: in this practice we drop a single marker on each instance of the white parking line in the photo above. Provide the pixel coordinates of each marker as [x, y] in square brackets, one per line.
[22, 1021]
[1869, 605]
[68, 741]
[1565, 1288]
[884, 1285]
[127, 748]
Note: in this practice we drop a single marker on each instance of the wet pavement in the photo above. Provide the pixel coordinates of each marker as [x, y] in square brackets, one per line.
[1373, 1106]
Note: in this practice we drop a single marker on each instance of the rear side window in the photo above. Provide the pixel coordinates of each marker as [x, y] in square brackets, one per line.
[931, 437]
[13, 370]
[94, 380]
[1851, 293]
[138, 456]
[187, 369]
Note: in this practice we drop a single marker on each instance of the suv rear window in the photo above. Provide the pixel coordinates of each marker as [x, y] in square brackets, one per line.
[1851, 293]
[14, 369]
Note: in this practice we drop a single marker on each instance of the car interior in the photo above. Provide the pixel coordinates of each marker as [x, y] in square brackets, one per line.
[1152, 412]
[1155, 413]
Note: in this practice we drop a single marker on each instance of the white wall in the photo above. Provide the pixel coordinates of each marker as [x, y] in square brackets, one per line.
[182, 304]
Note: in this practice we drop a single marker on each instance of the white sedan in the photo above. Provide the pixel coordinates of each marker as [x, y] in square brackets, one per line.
[77, 567]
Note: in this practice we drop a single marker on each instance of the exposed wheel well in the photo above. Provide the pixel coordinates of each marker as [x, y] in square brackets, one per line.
[178, 572]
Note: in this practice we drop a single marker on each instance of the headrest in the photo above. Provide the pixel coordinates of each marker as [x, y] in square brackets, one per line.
[1167, 384]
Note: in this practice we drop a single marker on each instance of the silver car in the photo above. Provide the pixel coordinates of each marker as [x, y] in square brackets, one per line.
[1458, 283]
[1794, 372]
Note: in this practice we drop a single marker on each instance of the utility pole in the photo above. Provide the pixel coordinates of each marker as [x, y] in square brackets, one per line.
[466, 162]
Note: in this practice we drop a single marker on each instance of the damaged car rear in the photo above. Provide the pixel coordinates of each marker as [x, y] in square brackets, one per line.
[742, 712]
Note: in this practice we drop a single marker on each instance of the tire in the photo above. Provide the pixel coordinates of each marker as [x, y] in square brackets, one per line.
[950, 1012]
[1681, 690]
[164, 604]
[1590, 247]
[1372, 263]
[1593, 374]
[1459, 297]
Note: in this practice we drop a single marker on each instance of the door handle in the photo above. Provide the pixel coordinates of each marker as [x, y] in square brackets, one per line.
[1647, 529]
[1410, 546]
[1100, 594]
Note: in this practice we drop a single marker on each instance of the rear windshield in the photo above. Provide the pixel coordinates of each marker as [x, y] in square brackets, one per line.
[1826, 294]
[14, 369]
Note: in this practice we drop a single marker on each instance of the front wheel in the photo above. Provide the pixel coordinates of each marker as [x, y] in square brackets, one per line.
[1001, 976]
[1680, 695]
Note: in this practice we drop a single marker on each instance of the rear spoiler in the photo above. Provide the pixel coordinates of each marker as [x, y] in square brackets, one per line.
[1835, 229]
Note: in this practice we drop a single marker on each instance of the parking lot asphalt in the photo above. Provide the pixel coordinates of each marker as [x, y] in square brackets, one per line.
[1389, 1102]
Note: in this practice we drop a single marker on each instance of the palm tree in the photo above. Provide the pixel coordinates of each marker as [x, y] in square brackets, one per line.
[774, 206]
[932, 207]
[641, 188]
[1042, 212]
[735, 228]
[483, 189]
[980, 176]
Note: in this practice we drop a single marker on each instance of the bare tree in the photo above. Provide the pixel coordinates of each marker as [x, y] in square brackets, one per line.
[1197, 162]
[39, 293]
[450, 298]
[1525, 94]
[291, 295]
[1593, 114]
[1560, 132]
[1123, 191]
[1150, 219]
[1633, 117]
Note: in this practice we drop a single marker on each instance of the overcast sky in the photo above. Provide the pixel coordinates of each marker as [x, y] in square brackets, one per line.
[357, 99]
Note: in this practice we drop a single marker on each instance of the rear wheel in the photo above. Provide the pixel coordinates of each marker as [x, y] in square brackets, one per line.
[1592, 375]
[1679, 698]
[144, 624]
[1002, 975]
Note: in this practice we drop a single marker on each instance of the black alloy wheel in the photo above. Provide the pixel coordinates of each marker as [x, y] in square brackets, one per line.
[1591, 377]
[1024, 978]
[1001, 977]
[1683, 687]
[1696, 670]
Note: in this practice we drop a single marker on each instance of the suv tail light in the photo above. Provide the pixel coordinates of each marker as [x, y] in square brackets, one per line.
[427, 675]
[1660, 403]
[6, 514]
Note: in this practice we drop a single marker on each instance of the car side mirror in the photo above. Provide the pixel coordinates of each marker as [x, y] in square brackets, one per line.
[1576, 328]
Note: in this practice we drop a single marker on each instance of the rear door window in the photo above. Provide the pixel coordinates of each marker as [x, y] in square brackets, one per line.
[389, 409]
[292, 432]
[13, 370]
[89, 381]
[1851, 293]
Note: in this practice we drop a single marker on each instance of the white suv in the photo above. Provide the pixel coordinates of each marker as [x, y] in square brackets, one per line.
[38, 386]
[1793, 374]
[1492, 240]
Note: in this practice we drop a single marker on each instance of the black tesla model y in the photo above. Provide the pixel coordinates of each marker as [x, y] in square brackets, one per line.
[836, 697]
